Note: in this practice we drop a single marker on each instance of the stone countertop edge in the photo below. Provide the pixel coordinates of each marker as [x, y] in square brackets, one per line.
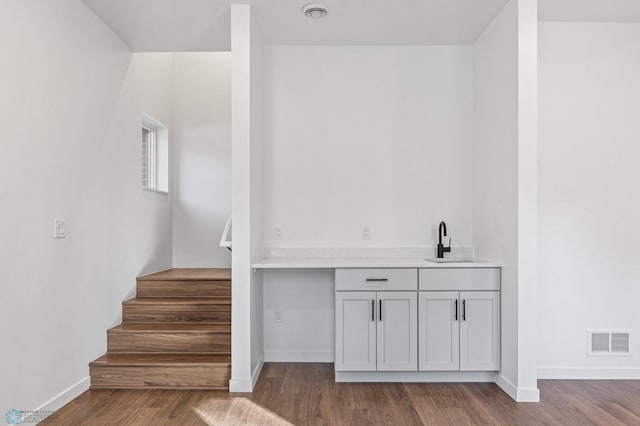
[335, 263]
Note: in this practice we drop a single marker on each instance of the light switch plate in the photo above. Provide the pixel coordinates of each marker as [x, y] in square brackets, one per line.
[59, 230]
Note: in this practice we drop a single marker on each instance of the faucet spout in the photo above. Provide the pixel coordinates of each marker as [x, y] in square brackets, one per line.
[442, 232]
[442, 227]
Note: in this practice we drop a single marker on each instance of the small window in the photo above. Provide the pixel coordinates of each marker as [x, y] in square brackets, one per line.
[155, 155]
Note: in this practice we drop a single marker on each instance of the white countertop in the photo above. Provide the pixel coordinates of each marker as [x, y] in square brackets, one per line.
[331, 263]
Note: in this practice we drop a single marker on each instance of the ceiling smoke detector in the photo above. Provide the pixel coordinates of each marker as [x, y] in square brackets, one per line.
[314, 11]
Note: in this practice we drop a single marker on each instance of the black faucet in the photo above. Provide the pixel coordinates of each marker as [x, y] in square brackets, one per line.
[441, 248]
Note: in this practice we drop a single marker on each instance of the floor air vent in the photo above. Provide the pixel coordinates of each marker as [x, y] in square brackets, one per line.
[609, 342]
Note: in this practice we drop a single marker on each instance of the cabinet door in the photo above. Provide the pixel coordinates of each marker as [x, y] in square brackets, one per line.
[397, 331]
[355, 331]
[439, 331]
[480, 331]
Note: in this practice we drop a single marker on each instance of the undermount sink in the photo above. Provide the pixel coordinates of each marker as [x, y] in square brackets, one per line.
[451, 260]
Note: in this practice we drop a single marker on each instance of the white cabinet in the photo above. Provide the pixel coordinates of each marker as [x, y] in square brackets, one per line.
[376, 330]
[397, 338]
[376, 279]
[355, 331]
[459, 331]
[459, 319]
[445, 319]
[439, 342]
[480, 331]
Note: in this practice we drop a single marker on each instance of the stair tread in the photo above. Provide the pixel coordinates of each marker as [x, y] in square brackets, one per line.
[133, 327]
[189, 274]
[180, 300]
[161, 360]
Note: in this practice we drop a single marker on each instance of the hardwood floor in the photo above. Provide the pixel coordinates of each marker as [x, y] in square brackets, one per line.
[305, 394]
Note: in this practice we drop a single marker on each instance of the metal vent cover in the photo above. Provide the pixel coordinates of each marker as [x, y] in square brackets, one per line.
[314, 10]
[609, 342]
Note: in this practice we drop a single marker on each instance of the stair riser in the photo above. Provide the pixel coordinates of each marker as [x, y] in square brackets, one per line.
[176, 313]
[160, 377]
[173, 342]
[184, 289]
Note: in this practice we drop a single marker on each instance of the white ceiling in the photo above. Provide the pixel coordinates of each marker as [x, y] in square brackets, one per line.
[589, 10]
[377, 22]
[203, 25]
[197, 25]
[167, 25]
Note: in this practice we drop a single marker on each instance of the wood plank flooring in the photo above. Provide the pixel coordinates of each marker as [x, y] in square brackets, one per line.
[306, 394]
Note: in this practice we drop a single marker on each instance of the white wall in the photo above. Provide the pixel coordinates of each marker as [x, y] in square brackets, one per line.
[377, 136]
[305, 299]
[246, 336]
[495, 167]
[527, 199]
[589, 233]
[139, 220]
[358, 136]
[504, 181]
[256, 197]
[70, 115]
[202, 158]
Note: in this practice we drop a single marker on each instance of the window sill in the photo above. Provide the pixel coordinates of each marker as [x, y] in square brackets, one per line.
[159, 191]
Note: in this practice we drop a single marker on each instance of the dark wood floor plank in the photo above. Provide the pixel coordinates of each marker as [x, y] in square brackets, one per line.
[306, 394]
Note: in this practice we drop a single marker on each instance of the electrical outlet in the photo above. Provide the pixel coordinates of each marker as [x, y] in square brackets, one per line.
[366, 232]
[59, 229]
[277, 232]
[277, 316]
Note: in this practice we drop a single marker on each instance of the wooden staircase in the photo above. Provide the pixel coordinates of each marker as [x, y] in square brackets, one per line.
[176, 334]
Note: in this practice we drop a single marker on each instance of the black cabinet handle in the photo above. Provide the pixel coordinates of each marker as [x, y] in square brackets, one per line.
[373, 310]
[377, 279]
[456, 314]
[380, 309]
[464, 310]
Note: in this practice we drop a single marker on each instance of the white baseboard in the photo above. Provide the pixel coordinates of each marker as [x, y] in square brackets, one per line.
[283, 356]
[247, 385]
[517, 394]
[413, 376]
[241, 385]
[589, 373]
[508, 387]
[256, 373]
[66, 396]
[528, 395]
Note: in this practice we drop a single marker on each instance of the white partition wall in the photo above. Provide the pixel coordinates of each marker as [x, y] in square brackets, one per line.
[527, 199]
[504, 181]
[246, 159]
